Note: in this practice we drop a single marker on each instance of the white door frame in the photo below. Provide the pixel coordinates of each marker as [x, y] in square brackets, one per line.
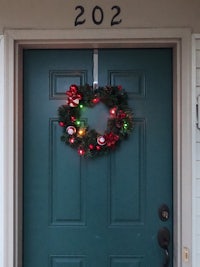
[15, 41]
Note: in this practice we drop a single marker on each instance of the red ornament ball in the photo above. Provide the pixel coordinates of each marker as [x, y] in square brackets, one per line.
[91, 146]
[61, 123]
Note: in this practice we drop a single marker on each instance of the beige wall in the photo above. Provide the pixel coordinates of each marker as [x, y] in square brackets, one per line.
[54, 14]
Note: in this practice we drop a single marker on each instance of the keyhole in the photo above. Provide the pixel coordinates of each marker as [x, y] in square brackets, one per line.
[163, 212]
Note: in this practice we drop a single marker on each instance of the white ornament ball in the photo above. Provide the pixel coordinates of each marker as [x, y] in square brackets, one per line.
[101, 140]
[71, 130]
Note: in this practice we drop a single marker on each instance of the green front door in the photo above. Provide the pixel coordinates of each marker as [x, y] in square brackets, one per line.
[97, 212]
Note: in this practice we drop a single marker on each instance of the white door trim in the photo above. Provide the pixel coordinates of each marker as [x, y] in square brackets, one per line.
[1, 149]
[179, 39]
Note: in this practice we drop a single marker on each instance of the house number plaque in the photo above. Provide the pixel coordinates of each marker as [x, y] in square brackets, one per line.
[97, 15]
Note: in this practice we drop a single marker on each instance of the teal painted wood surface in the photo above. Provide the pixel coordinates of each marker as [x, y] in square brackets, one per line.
[102, 212]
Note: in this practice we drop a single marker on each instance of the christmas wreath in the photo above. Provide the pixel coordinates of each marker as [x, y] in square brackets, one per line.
[76, 133]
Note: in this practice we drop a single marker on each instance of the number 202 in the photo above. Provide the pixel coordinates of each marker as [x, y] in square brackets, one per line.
[97, 15]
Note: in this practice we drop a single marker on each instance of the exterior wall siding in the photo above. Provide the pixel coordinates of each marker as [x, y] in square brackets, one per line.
[34, 14]
[196, 177]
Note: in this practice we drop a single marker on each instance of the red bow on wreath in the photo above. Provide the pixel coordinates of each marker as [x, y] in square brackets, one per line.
[111, 139]
[120, 116]
[73, 96]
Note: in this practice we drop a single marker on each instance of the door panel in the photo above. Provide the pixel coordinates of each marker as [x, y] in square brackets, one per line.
[101, 212]
[142, 173]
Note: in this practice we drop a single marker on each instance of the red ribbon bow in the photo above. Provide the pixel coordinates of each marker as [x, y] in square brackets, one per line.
[73, 96]
[111, 139]
[121, 115]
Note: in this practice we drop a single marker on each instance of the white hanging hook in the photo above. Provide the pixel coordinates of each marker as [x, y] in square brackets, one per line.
[95, 69]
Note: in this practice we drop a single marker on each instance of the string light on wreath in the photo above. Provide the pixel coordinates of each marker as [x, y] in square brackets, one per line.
[113, 111]
[81, 132]
[77, 134]
[95, 100]
[81, 151]
[71, 140]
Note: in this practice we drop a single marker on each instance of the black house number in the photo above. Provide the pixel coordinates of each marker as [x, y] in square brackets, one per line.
[97, 15]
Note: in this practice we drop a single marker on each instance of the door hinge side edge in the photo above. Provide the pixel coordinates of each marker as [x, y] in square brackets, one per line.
[197, 112]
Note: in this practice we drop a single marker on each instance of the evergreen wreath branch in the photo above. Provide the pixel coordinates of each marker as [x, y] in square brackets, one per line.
[88, 142]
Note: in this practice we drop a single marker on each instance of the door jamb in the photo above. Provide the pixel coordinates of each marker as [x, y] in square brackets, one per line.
[16, 40]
